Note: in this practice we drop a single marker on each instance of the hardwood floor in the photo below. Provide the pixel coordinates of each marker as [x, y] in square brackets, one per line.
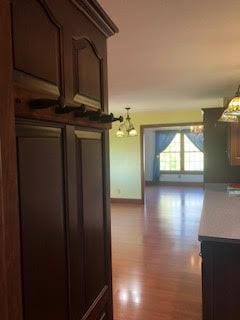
[156, 263]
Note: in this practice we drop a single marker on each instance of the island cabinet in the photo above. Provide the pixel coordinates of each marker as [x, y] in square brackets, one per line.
[59, 86]
[220, 280]
[220, 250]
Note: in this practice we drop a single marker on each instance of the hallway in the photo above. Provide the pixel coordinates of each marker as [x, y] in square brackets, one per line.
[156, 263]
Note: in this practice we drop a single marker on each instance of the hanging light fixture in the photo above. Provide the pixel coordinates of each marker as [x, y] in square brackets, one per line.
[196, 129]
[228, 118]
[127, 127]
[233, 108]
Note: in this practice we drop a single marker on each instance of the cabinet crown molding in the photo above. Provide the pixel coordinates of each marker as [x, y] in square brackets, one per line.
[93, 10]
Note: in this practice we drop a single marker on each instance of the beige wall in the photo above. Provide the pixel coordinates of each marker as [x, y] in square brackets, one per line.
[125, 158]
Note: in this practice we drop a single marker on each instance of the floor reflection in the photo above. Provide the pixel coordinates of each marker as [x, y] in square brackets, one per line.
[156, 263]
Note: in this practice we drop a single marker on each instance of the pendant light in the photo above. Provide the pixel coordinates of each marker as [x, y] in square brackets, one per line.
[127, 127]
[228, 118]
[233, 108]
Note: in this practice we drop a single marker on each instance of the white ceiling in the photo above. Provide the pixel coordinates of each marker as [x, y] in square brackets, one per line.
[173, 54]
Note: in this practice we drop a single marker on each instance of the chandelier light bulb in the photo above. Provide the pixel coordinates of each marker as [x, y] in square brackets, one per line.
[133, 132]
[120, 133]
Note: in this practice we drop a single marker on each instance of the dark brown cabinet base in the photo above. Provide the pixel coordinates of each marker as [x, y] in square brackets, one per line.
[43, 225]
[221, 280]
[65, 227]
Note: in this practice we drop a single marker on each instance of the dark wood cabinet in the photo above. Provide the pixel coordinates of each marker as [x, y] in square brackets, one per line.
[37, 47]
[88, 74]
[65, 232]
[89, 159]
[234, 144]
[221, 282]
[60, 52]
[43, 222]
[57, 250]
[218, 166]
[89, 224]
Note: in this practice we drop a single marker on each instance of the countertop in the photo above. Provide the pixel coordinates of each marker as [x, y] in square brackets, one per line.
[220, 220]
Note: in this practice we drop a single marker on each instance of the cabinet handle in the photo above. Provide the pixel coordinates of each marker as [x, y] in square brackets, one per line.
[92, 115]
[68, 109]
[60, 108]
[97, 116]
[79, 111]
[109, 118]
[44, 103]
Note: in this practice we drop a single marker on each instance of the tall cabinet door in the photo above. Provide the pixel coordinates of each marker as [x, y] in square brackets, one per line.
[91, 279]
[41, 195]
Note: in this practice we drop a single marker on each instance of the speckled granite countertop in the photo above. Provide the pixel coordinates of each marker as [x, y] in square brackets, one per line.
[220, 219]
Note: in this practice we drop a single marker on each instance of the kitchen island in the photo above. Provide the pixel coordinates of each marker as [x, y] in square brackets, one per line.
[219, 234]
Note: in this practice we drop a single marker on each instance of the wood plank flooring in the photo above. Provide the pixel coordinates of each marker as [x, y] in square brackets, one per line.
[156, 263]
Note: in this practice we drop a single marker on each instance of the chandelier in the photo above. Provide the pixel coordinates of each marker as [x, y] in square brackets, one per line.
[196, 129]
[126, 128]
[228, 118]
[233, 108]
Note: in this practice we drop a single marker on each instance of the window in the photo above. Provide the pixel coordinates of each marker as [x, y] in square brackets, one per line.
[181, 155]
[170, 158]
[193, 157]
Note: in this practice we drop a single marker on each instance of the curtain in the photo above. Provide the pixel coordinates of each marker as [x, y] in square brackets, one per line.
[162, 140]
[196, 139]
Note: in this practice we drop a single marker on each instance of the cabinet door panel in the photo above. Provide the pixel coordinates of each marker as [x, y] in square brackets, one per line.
[36, 47]
[89, 234]
[226, 282]
[93, 219]
[41, 193]
[91, 208]
[88, 78]
[234, 144]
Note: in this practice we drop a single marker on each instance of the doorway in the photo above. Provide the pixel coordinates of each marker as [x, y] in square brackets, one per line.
[172, 155]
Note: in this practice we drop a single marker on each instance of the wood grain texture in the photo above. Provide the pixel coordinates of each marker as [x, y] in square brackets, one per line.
[95, 240]
[221, 281]
[10, 284]
[23, 110]
[175, 183]
[43, 229]
[156, 263]
[93, 218]
[43, 33]
[126, 200]
[98, 16]
[84, 270]
[217, 166]
[107, 209]
[37, 41]
[234, 144]
[87, 66]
